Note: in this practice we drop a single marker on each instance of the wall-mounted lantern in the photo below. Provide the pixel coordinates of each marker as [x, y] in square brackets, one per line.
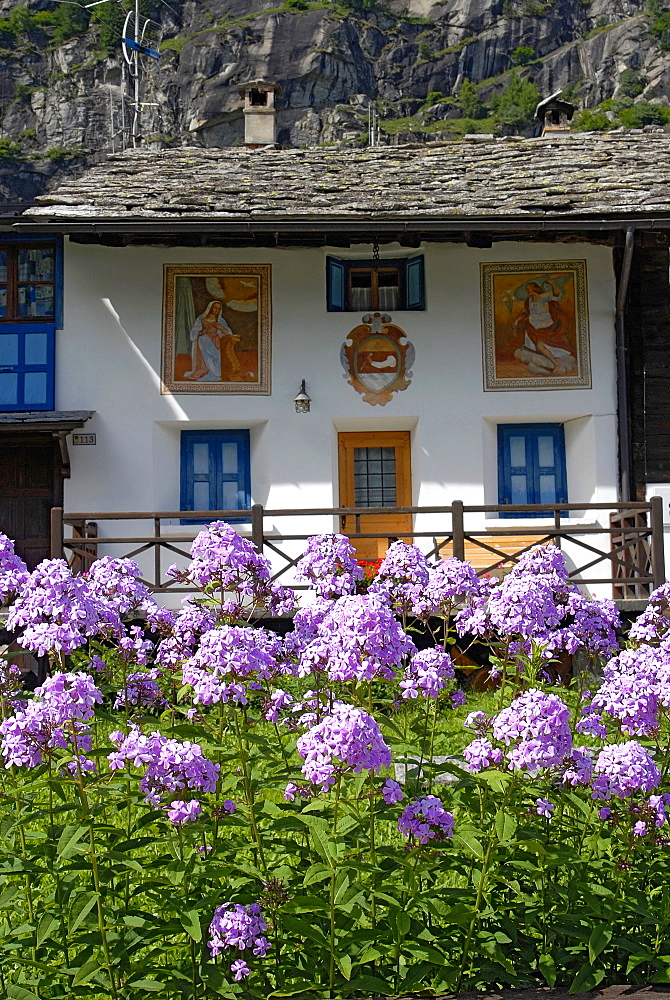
[302, 400]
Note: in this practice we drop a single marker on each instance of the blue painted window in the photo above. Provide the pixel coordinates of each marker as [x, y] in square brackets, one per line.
[531, 465]
[385, 285]
[215, 472]
[31, 281]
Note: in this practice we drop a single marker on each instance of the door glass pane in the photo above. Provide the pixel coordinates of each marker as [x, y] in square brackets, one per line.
[3, 301]
[374, 478]
[201, 496]
[200, 458]
[36, 348]
[35, 388]
[548, 489]
[9, 349]
[8, 389]
[36, 265]
[44, 300]
[517, 451]
[229, 458]
[545, 451]
[519, 489]
[3, 265]
[230, 495]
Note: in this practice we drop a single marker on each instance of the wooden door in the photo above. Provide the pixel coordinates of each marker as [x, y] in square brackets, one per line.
[375, 471]
[30, 485]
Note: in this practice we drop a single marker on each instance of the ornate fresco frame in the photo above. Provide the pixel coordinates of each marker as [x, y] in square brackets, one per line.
[555, 279]
[249, 372]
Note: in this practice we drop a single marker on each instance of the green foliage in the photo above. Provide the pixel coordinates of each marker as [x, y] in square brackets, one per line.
[516, 104]
[298, 5]
[469, 101]
[59, 24]
[523, 55]
[631, 83]
[9, 150]
[660, 29]
[425, 52]
[644, 113]
[62, 154]
[591, 121]
[23, 92]
[434, 97]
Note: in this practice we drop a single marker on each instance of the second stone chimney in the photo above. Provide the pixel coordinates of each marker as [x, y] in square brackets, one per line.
[260, 119]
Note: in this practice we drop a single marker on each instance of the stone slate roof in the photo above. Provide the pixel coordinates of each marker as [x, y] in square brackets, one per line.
[583, 175]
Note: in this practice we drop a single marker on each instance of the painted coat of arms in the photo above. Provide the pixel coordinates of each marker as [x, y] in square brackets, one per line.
[377, 358]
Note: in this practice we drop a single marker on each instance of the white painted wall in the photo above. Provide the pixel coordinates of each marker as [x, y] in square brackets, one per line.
[108, 360]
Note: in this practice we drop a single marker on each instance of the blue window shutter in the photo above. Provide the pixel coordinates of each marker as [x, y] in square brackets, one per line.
[215, 472]
[531, 465]
[336, 285]
[415, 284]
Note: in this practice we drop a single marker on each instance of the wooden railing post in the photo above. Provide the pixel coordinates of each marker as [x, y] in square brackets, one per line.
[257, 526]
[458, 541]
[157, 552]
[657, 542]
[56, 532]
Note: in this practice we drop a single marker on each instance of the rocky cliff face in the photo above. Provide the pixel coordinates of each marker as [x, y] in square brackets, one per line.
[61, 97]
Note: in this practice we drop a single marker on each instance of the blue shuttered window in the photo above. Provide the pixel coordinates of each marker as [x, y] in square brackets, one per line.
[30, 313]
[215, 472]
[385, 284]
[531, 465]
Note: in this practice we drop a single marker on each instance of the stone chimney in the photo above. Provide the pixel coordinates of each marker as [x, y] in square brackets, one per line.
[260, 120]
[555, 114]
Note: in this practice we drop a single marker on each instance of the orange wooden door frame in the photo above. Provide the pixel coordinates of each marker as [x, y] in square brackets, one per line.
[392, 525]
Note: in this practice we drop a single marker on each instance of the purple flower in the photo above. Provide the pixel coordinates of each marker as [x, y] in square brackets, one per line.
[141, 691]
[545, 560]
[636, 683]
[224, 657]
[426, 819]
[392, 792]
[458, 698]
[13, 570]
[592, 626]
[622, 769]
[169, 766]
[653, 624]
[479, 721]
[640, 829]
[402, 578]
[240, 969]
[279, 700]
[237, 926]
[359, 639]
[191, 622]
[537, 727]
[180, 812]
[480, 754]
[117, 583]
[524, 605]
[57, 611]
[579, 767]
[604, 813]
[347, 738]
[449, 581]
[428, 672]
[290, 791]
[544, 808]
[229, 806]
[329, 566]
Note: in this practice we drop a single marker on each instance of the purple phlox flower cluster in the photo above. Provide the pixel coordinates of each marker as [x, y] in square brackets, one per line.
[653, 624]
[426, 819]
[427, 673]
[479, 721]
[481, 753]
[635, 684]
[543, 560]
[134, 647]
[117, 582]
[329, 566]
[240, 969]
[13, 571]
[458, 698]
[227, 655]
[578, 767]
[622, 770]
[587, 624]
[54, 720]
[660, 805]
[180, 811]
[58, 611]
[536, 728]
[544, 808]
[188, 625]
[306, 624]
[223, 560]
[236, 926]
[141, 691]
[292, 789]
[279, 700]
[402, 578]
[392, 792]
[524, 605]
[640, 829]
[449, 582]
[308, 711]
[10, 681]
[347, 738]
[360, 639]
[161, 620]
[169, 765]
[229, 807]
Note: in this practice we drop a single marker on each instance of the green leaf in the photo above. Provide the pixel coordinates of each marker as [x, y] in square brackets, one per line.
[547, 967]
[317, 873]
[191, 924]
[48, 923]
[586, 979]
[69, 841]
[80, 909]
[403, 923]
[344, 965]
[322, 845]
[505, 827]
[86, 972]
[600, 938]
[147, 984]
[471, 842]
[19, 993]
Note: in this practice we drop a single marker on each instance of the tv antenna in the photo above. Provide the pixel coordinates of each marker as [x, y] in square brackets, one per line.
[140, 41]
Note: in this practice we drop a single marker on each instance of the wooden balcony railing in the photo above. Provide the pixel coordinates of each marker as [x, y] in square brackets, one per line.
[626, 551]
